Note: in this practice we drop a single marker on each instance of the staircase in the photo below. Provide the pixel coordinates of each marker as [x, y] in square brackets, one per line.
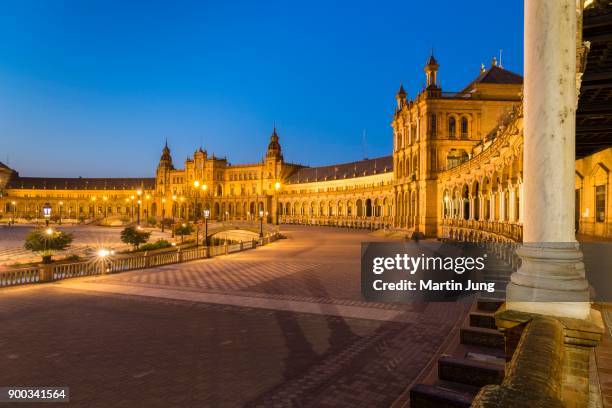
[477, 356]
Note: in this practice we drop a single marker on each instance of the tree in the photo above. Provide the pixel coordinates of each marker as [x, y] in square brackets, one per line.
[135, 237]
[47, 242]
[182, 230]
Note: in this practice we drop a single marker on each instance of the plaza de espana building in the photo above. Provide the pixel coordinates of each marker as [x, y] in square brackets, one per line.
[455, 171]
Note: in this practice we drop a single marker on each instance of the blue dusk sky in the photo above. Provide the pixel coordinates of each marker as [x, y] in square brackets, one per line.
[93, 88]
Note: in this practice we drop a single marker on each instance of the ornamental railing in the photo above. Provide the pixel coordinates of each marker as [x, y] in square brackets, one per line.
[122, 263]
[495, 229]
[19, 276]
[338, 221]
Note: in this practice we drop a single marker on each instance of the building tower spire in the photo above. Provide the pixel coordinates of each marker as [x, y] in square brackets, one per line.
[431, 71]
[165, 161]
[274, 147]
[400, 97]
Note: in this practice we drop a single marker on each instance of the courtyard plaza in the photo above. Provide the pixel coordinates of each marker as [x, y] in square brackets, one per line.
[282, 325]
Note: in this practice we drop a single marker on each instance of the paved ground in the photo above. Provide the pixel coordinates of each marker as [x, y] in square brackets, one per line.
[283, 325]
[12, 239]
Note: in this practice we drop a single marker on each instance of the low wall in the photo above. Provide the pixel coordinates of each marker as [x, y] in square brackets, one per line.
[122, 263]
[549, 362]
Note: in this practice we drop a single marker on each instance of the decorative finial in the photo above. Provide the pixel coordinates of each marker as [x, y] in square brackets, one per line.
[494, 62]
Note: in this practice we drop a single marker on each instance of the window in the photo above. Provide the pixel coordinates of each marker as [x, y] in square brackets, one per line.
[464, 128]
[600, 203]
[432, 125]
[452, 128]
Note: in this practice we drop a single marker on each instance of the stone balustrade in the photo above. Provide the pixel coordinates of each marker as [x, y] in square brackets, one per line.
[19, 276]
[339, 221]
[481, 230]
[123, 263]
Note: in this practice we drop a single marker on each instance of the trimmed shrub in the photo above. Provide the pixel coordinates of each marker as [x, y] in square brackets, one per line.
[159, 244]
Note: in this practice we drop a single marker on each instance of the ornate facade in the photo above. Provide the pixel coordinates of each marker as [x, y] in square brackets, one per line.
[455, 171]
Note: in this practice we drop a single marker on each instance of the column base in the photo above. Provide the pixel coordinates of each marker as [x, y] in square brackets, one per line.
[550, 281]
[574, 310]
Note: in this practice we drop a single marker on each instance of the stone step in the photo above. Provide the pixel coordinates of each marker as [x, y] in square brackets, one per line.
[486, 357]
[444, 394]
[485, 320]
[489, 305]
[478, 336]
[497, 296]
[469, 372]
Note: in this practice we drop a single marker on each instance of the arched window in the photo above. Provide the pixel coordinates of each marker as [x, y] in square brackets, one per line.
[464, 128]
[452, 127]
[432, 125]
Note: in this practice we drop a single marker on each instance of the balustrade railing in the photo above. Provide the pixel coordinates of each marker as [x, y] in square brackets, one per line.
[19, 276]
[338, 221]
[508, 230]
[72, 270]
[122, 263]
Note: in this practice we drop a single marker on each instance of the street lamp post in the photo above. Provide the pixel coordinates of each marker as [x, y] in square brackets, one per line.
[14, 207]
[277, 187]
[163, 200]
[196, 186]
[47, 213]
[61, 205]
[173, 208]
[204, 188]
[206, 215]
[139, 192]
[138, 212]
[197, 233]
[105, 199]
[93, 207]
[261, 214]
[147, 215]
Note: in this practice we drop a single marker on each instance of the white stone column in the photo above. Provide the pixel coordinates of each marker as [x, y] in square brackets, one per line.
[521, 193]
[511, 200]
[551, 278]
[471, 217]
[502, 205]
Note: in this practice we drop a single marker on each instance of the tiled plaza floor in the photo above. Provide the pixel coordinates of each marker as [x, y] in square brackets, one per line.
[283, 325]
